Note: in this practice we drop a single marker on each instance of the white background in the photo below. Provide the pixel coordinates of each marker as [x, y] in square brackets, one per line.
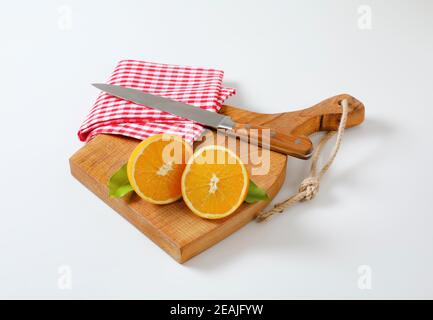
[374, 206]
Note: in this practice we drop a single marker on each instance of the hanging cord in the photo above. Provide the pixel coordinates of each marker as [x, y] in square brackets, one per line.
[310, 186]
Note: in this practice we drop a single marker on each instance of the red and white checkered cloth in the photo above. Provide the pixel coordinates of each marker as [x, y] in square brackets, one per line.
[197, 86]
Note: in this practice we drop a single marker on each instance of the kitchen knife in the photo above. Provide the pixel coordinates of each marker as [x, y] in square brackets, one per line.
[297, 146]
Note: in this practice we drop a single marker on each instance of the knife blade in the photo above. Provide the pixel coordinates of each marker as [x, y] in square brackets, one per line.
[289, 144]
[183, 110]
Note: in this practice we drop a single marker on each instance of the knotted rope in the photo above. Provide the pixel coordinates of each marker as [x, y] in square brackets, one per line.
[310, 186]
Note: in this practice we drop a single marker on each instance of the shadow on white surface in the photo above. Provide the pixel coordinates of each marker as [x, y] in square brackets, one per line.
[288, 232]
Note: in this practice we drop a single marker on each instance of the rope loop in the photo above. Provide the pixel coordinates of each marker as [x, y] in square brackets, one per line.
[310, 186]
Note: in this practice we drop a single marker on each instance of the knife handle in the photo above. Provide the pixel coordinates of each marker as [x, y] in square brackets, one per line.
[289, 144]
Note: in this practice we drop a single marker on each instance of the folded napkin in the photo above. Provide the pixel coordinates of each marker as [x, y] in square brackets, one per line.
[197, 86]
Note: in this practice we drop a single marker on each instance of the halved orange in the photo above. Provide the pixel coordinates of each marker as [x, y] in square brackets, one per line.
[215, 182]
[155, 168]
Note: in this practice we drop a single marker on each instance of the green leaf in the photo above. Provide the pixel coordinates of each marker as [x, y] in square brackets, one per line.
[255, 193]
[119, 185]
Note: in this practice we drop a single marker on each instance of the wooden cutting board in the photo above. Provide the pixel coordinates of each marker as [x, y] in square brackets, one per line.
[173, 227]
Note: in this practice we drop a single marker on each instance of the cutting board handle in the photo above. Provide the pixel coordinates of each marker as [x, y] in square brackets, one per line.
[324, 116]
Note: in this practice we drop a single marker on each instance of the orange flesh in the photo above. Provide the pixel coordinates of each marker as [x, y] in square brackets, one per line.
[157, 179]
[215, 187]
